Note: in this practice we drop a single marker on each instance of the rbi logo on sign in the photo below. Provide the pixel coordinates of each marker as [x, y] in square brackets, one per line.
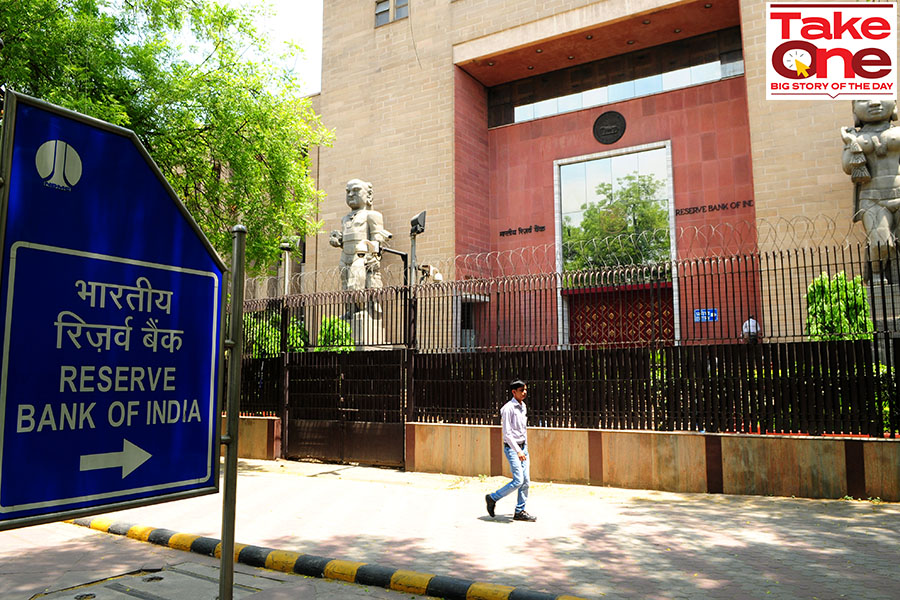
[58, 164]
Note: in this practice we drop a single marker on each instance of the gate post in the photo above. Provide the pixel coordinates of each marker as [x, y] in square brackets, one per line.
[285, 377]
[410, 353]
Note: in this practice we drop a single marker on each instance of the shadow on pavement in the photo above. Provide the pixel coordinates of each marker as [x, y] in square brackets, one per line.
[766, 548]
[744, 548]
[498, 519]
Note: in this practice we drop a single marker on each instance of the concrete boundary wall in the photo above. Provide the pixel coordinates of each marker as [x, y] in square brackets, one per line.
[801, 466]
[258, 437]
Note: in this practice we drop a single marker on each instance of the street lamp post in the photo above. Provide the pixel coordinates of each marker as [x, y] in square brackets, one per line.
[286, 248]
[417, 226]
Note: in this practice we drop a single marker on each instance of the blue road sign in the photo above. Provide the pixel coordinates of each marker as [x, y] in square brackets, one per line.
[705, 315]
[112, 309]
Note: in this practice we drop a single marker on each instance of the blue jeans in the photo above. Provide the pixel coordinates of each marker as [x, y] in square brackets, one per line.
[521, 478]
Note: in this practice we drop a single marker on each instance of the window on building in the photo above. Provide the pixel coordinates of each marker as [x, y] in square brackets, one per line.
[615, 208]
[382, 12]
[401, 9]
[694, 61]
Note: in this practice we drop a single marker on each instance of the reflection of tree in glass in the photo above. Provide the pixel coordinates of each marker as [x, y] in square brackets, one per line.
[627, 226]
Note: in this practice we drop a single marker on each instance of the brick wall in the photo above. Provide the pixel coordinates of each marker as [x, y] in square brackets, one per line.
[472, 167]
[708, 129]
[388, 93]
[393, 97]
[707, 126]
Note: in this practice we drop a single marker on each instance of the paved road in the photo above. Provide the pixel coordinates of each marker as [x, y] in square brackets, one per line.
[588, 541]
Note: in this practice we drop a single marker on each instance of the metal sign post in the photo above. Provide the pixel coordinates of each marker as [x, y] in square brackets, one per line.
[235, 346]
[111, 300]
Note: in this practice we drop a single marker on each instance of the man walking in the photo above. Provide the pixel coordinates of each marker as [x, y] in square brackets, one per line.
[513, 418]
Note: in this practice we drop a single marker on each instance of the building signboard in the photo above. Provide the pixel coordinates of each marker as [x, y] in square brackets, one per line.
[112, 310]
[706, 315]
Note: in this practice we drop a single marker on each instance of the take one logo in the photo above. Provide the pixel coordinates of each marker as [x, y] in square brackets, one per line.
[831, 50]
[58, 164]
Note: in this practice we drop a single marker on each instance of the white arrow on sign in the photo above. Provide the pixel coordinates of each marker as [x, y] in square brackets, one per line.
[130, 458]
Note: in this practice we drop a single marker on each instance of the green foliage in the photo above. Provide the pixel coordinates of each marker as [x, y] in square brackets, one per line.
[838, 309]
[627, 226]
[262, 335]
[884, 394]
[230, 133]
[335, 336]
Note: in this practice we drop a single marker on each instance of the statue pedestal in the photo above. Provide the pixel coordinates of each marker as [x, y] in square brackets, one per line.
[367, 332]
[885, 304]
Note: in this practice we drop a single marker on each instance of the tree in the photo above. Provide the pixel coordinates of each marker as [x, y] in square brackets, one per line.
[262, 334]
[838, 308]
[230, 133]
[627, 226]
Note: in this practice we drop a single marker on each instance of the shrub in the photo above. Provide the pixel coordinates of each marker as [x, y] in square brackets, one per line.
[884, 394]
[335, 336]
[838, 309]
[262, 335]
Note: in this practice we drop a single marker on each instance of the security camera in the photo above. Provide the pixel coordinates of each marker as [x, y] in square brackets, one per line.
[429, 272]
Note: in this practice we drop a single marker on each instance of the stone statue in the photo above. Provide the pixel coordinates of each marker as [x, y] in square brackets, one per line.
[872, 159]
[360, 238]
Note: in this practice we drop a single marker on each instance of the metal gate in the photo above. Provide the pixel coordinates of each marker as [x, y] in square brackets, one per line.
[346, 407]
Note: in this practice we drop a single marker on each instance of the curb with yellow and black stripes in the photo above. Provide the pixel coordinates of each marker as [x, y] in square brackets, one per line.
[400, 580]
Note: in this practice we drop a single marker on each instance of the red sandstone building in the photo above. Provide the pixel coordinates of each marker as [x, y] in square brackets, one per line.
[504, 118]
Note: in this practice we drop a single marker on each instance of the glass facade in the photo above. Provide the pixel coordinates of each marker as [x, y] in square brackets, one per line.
[694, 61]
[615, 209]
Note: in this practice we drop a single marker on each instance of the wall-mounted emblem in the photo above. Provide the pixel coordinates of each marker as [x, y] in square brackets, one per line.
[58, 164]
[609, 127]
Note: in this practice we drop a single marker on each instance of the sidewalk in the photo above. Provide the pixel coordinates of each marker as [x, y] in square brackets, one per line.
[61, 561]
[588, 541]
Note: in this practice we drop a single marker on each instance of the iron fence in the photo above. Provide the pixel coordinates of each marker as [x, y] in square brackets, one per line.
[710, 240]
[812, 388]
[658, 347]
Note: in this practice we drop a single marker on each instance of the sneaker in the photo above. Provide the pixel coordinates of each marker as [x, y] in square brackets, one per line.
[524, 516]
[491, 503]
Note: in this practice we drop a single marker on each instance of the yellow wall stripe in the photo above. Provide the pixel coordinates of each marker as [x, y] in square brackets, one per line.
[410, 581]
[343, 570]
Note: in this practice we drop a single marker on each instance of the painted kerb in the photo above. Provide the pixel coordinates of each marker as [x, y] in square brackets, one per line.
[400, 580]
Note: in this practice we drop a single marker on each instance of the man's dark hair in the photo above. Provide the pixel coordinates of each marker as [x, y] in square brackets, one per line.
[516, 384]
